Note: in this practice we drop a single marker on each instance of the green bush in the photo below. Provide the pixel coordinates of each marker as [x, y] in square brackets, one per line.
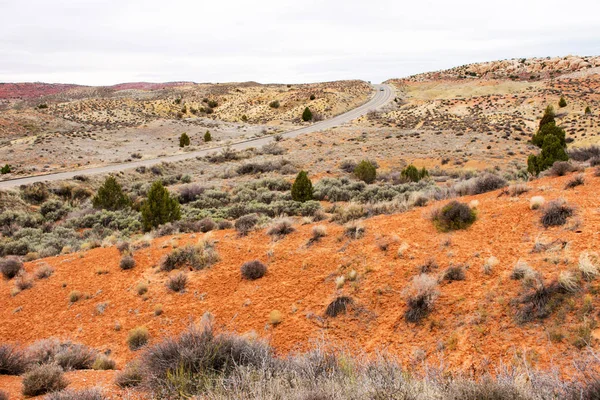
[454, 216]
[562, 102]
[159, 208]
[549, 129]
[184, 140]
[138, 338]
[5, 170]
[552, 151]
[312, 97]
[307, 115]
[548, 116]
[365, 171]
[274, 104]
[413, 174]
[207, 136]
[302, 189]
[110, 196]
[588, 110]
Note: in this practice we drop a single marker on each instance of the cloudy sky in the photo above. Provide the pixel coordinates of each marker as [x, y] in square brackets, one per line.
[101, 42]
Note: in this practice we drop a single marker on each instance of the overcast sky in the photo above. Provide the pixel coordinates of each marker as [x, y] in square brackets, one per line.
[106, 42]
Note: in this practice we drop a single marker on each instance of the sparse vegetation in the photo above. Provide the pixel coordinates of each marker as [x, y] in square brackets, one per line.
[252, 270]
[413, 174]
[246, 224]
[138, 338]
[198, 257]
[43, 379]
[103, 363]
[280, 228]
[454, 273]
[83, 394]
[13, 360]
[576, 181]
[339, 306]
[177, 282]
[453, 216]
[127, 262]
[10, 267]
[420, 297]
[556, 213]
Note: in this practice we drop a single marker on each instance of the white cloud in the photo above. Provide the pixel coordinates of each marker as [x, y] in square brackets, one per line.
[106, 42]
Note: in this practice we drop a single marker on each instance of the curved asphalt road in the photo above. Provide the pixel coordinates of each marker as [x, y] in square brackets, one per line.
[379, 99]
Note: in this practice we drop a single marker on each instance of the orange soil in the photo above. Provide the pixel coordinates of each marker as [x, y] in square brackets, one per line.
[473, 318]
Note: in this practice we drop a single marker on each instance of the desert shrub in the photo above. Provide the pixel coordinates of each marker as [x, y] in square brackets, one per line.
[6, 169]
[339, 306]
[43, 379]
[274, 104]
[550, 129]
[280, 228]
[110, 196]
[490, 264]
[413, 174]
[454, 216]
[318, 232]
[103, 363]
[252, 270]
[23, 282]
[207, 136]
[562, 102]
[486, 389]
[224, 224]
[127, 262]
[159, 208]
[177, 282]
[454, 273]
[3, 395]
[536, 202]
[68, 355]
[53, 210]
[487, 183]
[552, 151]
[246, 223]
[302, 189]
[521, 270]
[428, 266]
[307, 115]
[561, 168]
[420, 298]
[535, 302]
[83, 394]
[141, 288]
[584, 153]
[518, 189]
[198, 257]
[131, 376]
[184, 140]
[189, 363]
[348, 166]
[138, 338]
[354, 230]
[365, 171]
[13, 360]
[576, 181]
[556, 213]
[35, 193]
[568, 282]
[190, 193]
[588, 266]
[10, 267]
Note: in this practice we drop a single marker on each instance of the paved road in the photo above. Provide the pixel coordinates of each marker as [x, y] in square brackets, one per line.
[379, 99]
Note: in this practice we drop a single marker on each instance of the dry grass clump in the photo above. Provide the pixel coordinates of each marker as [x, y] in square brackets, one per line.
[280, 228]
[453, 216]
[402, 249]
[198, 257]
[318, 232]
[127, 262]
[521, 270]
[74, 296]
[10, 267]
[131, 376]
[141, 288]
[561, 168]
[177, 282]
[556, 213]
[13, 360]
[43, 379]
[454, 273]
[275, 317]
[68, 355]
[339, 306]
[354, 230]
[83, 394]
[536, 302]
[536, 202]
[138, 338]
[588, 265]
[420, 297]
[246, 224]
[568, 282]
[428, 266]
[490, 264]
[252, 270]
[23, 282]
[103, 363]
[518, 189]
[576, 181]
[44, 272]
[487, 183]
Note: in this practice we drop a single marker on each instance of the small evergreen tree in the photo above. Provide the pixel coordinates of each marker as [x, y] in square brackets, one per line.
[588, 110]
[365, 171]
[413, 174]
[184, 140]
[549, 129]
[5, 170]
[110, 196]
[552, 151]
[312, 96]
[562, 102]
[302, 189]
[207, 136]
[548, 116]
[307, 115]
[159, 208]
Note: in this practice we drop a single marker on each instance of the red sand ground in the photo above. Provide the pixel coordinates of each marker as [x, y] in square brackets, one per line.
[473, 319]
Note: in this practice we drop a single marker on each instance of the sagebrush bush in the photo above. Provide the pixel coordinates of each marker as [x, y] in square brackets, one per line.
[536, 302]
[138, 338]
[83, 394]
[536, 202]
[280, 228]
[74, 296]
[198, 257]
[13, 360]
[177, 282]
[44, 272]
[127, 262]
[23, 282]
[365, 171]
[246, 224]
[10, 267]
[454, 273]
[487, 183]
[584, 153]
[521, 271]
[428, 266]
[576, 181]
[252, 270]
[43, 379]
[339, 306]
[354, 230]
[561, 168]
[454, 216]
[131, 376]
[420, 297]
[556, 213]
[103, 363]
[68, 355]
[588, 266]
[318, 232]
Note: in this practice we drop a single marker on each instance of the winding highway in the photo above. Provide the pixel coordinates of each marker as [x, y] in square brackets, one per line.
[383, 94]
